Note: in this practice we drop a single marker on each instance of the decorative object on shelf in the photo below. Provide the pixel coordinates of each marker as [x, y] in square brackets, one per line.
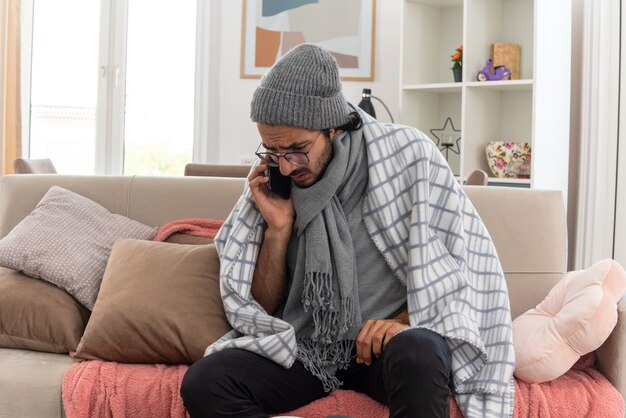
[490, 73]
[457, 64]
[458, 74]
[447, 140]
[509, 159]
[367, 105]
[506, 55]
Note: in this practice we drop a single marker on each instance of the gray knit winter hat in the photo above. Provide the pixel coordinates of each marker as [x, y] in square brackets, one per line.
[302, 89]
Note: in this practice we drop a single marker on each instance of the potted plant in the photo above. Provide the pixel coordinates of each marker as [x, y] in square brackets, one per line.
[457, 64]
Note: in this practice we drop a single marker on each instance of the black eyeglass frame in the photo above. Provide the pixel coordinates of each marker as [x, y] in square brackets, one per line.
[274, 157]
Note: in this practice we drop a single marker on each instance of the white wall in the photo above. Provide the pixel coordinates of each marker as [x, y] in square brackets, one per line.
[237, 134]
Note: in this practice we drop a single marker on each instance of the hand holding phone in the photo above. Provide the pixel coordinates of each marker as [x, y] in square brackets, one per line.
[279, 184]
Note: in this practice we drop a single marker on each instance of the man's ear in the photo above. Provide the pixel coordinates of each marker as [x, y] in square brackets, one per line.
[334, 132]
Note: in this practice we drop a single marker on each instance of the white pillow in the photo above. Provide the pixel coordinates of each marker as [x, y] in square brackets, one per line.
[66, 240]
[574, 319]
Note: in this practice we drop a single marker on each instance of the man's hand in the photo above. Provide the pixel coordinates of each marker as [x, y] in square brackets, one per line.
[376, 334]
[268, 282]
[277, 212]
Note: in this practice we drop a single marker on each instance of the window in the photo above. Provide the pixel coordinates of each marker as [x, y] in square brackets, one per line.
[158, 132]
[113, 85]
[64, 84]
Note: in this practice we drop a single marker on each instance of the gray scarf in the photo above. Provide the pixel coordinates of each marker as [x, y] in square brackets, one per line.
[323, 305]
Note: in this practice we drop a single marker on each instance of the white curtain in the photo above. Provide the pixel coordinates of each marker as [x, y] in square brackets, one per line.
[619, 252]
[10, 119]
[598, 132]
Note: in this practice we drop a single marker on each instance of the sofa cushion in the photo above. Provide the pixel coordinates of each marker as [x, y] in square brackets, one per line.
[159, 303]
[30, 383]
[66, 240]
[36, 315]
[575, 318]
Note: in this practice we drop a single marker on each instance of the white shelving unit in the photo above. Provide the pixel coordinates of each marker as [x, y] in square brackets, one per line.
[533, 109]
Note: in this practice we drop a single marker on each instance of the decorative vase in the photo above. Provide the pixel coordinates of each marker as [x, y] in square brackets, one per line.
[458, 74]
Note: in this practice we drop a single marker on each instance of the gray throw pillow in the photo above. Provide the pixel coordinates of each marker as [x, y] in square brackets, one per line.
[66, 240]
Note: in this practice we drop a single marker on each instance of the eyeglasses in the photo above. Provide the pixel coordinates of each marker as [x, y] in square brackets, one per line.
[297, 158]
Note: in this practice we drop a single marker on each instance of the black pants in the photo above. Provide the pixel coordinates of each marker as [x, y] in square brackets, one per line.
[412, 376]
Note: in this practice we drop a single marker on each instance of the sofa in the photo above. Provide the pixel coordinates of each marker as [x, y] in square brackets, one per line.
[527, 226]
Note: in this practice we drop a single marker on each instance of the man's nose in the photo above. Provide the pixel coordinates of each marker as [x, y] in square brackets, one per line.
[285, 166]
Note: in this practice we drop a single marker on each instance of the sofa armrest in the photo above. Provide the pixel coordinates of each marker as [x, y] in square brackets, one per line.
[612, 354]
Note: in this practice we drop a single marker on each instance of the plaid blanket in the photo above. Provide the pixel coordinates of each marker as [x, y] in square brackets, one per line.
[432, 239]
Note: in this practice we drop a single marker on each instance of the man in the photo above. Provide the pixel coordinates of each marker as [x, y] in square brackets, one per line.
[376, 275]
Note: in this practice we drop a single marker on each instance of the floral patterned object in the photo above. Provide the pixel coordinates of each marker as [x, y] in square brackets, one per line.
[509, 159]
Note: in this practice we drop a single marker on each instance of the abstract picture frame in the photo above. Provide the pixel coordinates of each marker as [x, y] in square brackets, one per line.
[347, 29]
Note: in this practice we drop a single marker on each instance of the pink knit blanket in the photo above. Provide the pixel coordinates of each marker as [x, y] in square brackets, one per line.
[105, 389]
[115, 390]
[578, 393]
[193, 226]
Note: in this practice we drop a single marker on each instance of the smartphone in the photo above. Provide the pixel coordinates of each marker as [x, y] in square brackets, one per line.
[279, 184]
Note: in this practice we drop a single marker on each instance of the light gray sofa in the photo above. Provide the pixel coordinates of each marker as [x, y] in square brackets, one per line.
[527, 226]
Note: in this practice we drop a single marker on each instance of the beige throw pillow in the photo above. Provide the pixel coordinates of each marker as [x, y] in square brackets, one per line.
[158, 303]
[66, 240]
[36, 315]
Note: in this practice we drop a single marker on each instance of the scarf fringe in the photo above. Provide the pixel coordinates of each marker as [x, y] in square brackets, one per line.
[323, 360]
[330, 324]
[318, 291]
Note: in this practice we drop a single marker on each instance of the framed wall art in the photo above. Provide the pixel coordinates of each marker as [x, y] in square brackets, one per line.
[270, 28]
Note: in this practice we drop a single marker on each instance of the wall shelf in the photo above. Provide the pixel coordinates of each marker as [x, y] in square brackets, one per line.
[508, 180]
[533, 109]
[436, 87]
[506, 85]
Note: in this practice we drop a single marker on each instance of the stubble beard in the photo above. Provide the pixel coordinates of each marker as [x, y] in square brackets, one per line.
[319, 169]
